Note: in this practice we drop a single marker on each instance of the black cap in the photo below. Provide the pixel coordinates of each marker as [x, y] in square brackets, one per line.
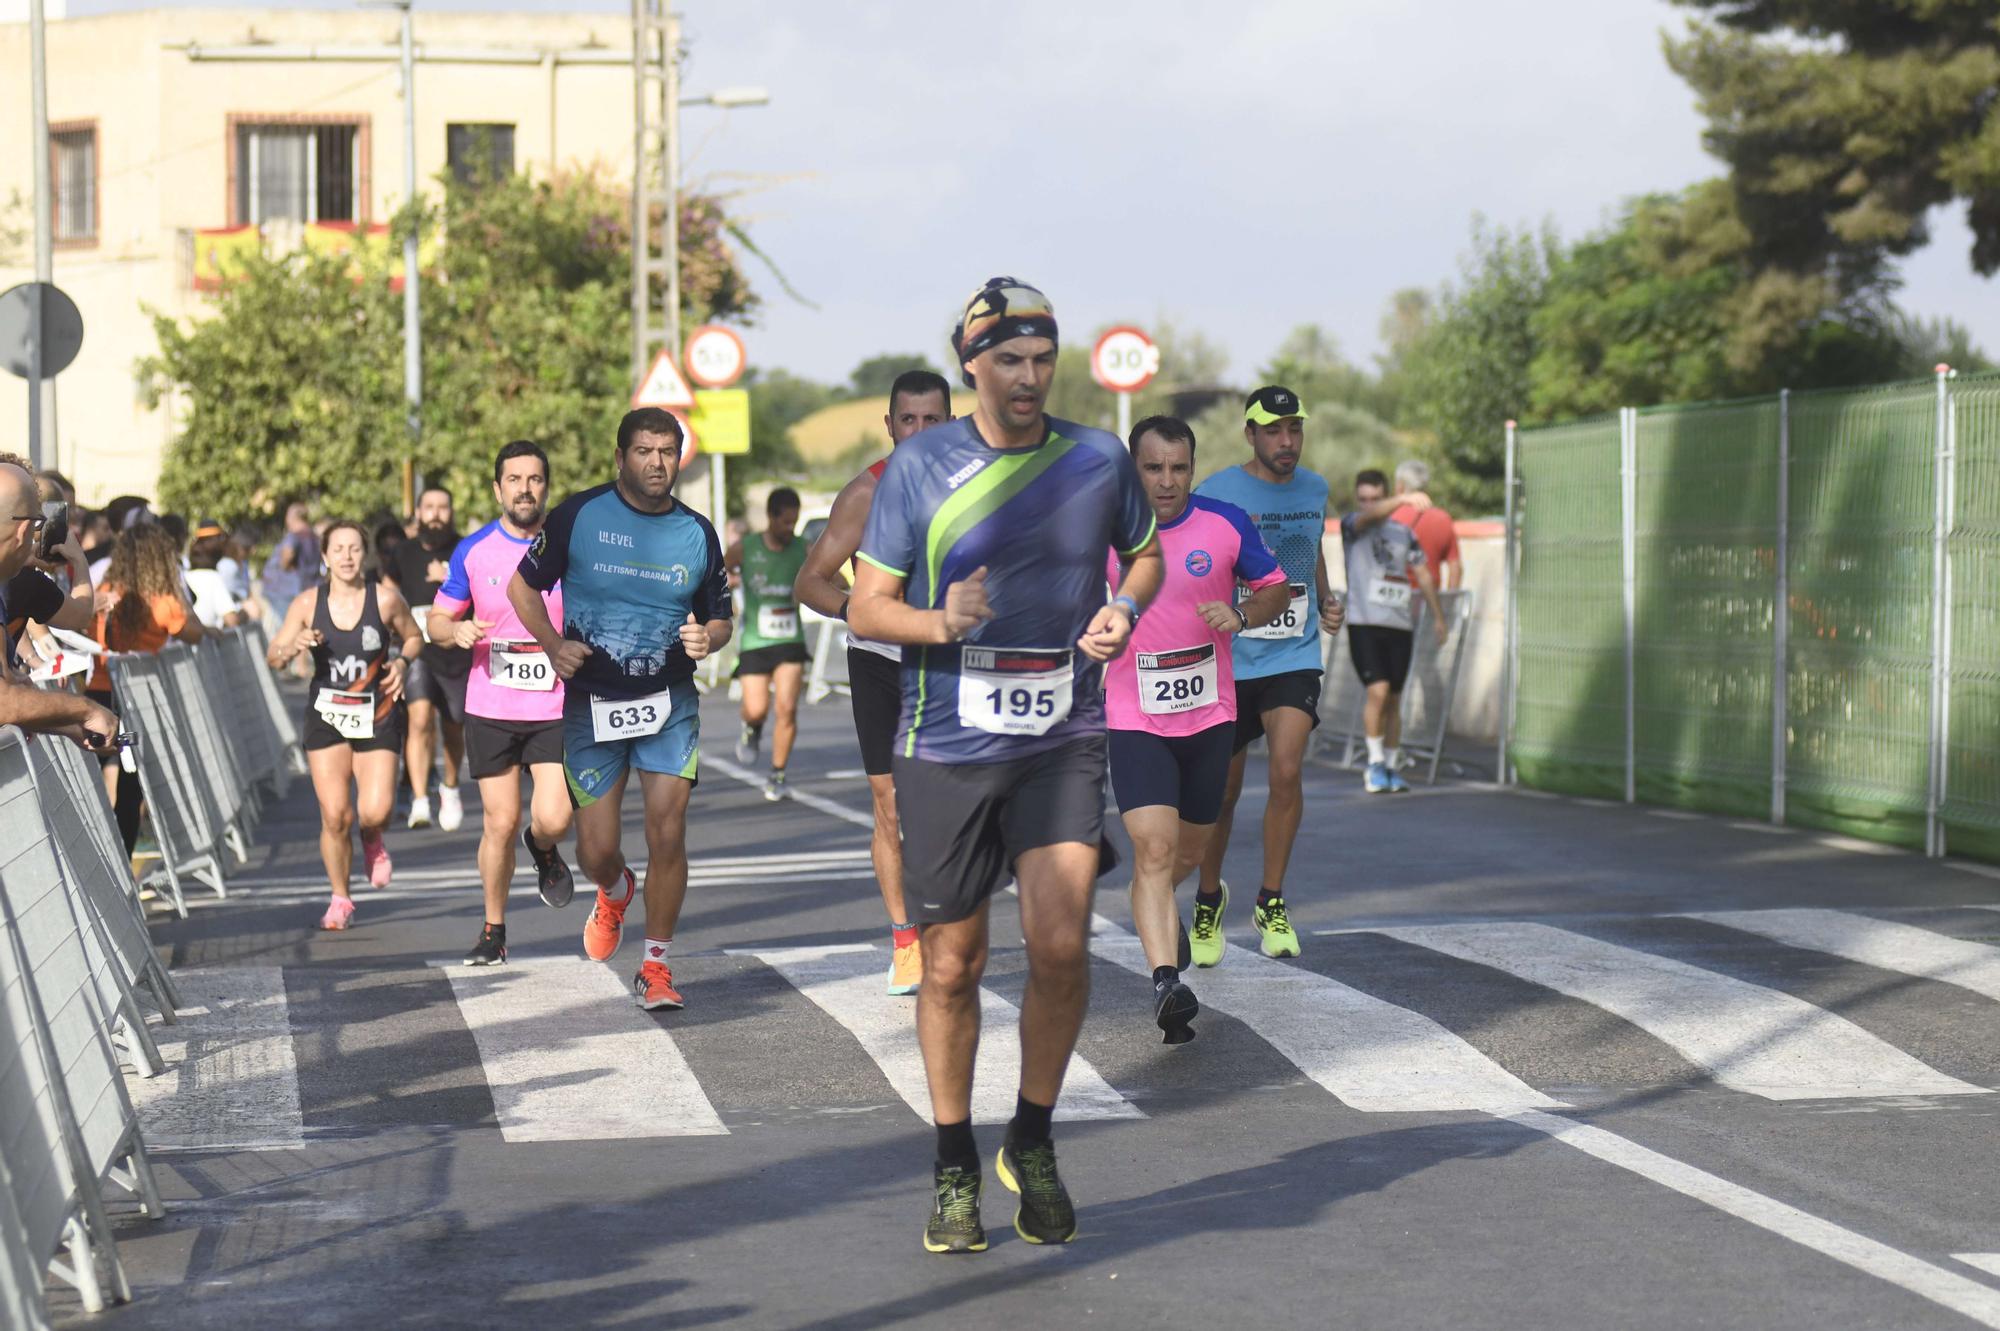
[1272, 403]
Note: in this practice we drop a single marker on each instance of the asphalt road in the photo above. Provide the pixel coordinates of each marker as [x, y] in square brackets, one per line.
[1511, 1083]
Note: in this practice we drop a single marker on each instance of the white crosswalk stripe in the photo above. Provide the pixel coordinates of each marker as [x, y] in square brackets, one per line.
[1372, 1054]
[231, 1078]
[1750, 1038]
[847, 983]
[569, 1056]
[1882, 944]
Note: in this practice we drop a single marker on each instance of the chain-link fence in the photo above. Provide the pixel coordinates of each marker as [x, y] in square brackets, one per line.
[1786, 607]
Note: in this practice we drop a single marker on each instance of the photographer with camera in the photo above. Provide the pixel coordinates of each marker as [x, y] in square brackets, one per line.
[28, 593]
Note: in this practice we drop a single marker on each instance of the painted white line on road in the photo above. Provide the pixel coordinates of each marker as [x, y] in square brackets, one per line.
[1878, 943]
[846, 981]
[1988, 1262]
[826, 806]
[231, 1080]
[1372, 1054]
[396, 892]
[1752, 1039]
[1979, 1302]
[569, 1057]
[468, 875]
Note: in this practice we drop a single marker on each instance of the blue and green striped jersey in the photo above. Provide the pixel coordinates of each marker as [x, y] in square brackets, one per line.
[1041, 520]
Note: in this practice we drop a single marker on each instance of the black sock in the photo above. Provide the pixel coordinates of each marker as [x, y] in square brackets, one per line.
[498, 931]
[956, 1149]
[1031, 1122]
[1164, 975]
[1213, 900]
[1265, 896]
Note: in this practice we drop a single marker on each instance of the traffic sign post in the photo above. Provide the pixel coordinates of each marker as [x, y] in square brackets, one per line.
[664, 388]
[715, 360]
[715, 356]
[723, 417]
[41, 330]
[1124, 361]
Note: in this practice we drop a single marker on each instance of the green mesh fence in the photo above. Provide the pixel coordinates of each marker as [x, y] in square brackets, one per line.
[1860, 531]
[1569, 702]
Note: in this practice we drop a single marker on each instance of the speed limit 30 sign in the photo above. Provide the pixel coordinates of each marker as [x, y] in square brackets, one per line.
[1124, 360]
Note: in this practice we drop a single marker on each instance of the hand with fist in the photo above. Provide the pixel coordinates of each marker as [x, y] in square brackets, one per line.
[694, 638]
[965, 605]
[569, 658]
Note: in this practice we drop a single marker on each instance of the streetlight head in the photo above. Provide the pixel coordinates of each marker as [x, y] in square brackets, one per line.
[739, 97]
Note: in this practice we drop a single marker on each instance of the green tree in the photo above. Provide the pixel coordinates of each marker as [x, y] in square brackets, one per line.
[873, 377]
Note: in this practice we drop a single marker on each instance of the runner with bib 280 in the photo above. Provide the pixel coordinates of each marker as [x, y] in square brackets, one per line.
[513, 700]
[985, 554]
[1171, 698]
[770, 664]
[1278, 667]
[645, 596]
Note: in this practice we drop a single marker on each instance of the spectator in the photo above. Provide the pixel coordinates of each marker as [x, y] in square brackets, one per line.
[1436, 532]
[176, 526]
[125, 512]
[215, 605]
[388, 536]
[96, 534]
[293, 564]
[26, 593]
[234, 566]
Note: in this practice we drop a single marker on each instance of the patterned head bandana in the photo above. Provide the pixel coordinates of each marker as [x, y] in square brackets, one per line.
[1004, 308]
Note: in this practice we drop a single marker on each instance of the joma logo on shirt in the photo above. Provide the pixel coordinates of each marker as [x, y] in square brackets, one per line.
[965, 473]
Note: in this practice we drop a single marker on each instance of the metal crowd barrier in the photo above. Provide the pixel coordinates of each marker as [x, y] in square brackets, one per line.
[828, 673]
[1427, 695]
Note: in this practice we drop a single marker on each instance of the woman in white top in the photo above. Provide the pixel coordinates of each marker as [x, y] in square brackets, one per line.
[215, 605]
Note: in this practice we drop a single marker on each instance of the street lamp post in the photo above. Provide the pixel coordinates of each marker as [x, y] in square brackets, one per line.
[413, 323]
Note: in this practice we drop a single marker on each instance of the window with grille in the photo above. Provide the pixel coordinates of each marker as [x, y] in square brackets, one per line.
[73, 172]
[304, 173]
[479, 152]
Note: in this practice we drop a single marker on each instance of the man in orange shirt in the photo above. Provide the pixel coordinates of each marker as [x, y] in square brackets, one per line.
[1436, 532]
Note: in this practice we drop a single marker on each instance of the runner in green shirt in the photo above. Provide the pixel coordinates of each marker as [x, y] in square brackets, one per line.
[774, 642]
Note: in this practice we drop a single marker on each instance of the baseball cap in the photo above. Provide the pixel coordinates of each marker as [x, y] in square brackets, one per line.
[1273, 403]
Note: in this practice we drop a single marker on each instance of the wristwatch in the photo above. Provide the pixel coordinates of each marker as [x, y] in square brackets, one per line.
[1129, 606]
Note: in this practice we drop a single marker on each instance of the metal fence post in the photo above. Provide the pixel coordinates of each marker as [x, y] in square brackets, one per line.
[1781, 612]
[1509, 663]
[1628, 491]
[1941, 467]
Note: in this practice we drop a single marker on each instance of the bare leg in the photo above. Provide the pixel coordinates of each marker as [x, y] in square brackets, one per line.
[1287, 729]
[331, 767]
[666, 799]
[454, 750]
[1392, 719]
[500, 797]
[1056, 885]
[886, 849]
[756, 699]
[1218, 841]
[786, 683]
[374, 790]
[599, 834]
[948, 1011]
[419, 744]
[1374, 712]
[549, 809]
[1155, 833]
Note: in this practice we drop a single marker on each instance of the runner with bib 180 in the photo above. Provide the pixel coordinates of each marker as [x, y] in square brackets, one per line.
[513, 700]
[985, 553]
[1278, 666]
[1171, 698]
[645, 596]
[770, 664]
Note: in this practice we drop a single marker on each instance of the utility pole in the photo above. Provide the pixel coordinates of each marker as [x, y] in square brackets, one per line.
[41, 392]
[413, 347]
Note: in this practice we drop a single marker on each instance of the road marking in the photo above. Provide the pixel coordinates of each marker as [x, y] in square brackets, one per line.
[1968, 1297]
[846, 981]
[1752, 1039]
[1879, 943]
[570, 1057]
[468, 874]
[830, 808]
[1372, 1054]
[1988, 1262]
[231, 1080]
[469, 889]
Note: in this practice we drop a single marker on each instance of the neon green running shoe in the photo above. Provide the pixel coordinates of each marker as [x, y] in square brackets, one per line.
[954, 1225]
[1205, 939]
[1274, 929]
[1045, 1214]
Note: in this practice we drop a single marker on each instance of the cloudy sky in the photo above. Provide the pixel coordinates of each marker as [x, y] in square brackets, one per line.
[1238, 167]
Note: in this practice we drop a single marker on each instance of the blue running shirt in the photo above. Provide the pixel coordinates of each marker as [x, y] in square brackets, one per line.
[1041, 520]
[629, 581]
[1292, 520]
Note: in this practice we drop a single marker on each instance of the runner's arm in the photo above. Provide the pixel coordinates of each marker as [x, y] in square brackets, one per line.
[819, 583]
[533, 613]
[1376, 513]
[1145, 573]
[1428, 586]
[732, 562]
[286, 646]
[877, 610]
[1266, 604]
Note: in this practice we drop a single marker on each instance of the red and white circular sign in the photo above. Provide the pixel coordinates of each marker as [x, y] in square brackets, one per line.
[1124, 360]
[715, 356]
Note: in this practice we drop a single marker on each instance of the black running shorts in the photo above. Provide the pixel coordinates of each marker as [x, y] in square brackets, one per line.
[315, 733]
[766, 660]
[1187, 773]
[875, 687]
[964, 824]
[426, 683]
[1381, 653]
[1297, 689]
[495, 748]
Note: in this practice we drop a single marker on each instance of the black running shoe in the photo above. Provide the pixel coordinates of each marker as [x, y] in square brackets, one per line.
[1174, 1006]
[489, 950]
[1045, 1214]
[551, 874]
[1183, 950]
[954, 1225]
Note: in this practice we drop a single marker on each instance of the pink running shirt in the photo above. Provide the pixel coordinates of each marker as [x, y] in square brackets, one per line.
[481, 567]
[1176, 676]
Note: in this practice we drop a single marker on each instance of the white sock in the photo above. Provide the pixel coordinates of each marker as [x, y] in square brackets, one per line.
[1395, 757]
[656, 950]
[1374, 748]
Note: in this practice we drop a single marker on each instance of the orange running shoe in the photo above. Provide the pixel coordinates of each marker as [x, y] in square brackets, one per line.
[653, 986]
[906, 969]
[605, 928]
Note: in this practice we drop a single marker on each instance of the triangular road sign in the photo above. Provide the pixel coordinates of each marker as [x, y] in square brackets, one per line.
[663, 386]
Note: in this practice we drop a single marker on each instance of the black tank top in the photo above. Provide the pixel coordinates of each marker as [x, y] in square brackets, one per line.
[352, 660]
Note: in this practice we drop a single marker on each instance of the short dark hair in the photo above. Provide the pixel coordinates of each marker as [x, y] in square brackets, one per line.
[520, 448]
[436, 489]
[207, 551]
[1371, 476]
[779, 500]
[647, 420]
[389, 534]
[176, 526]
[919, 383]
[1170, 428]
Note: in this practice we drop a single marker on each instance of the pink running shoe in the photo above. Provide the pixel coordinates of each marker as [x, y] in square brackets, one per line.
[339, 914]
[376, 856]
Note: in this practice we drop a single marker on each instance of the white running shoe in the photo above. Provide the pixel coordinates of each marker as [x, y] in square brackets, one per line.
[451, 809]
[420, 811]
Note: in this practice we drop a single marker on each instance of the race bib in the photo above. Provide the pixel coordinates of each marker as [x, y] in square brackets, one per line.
[422, 614]
[352, 715]
[520, 665]
[777, 621]
[1291, 624]
[1177, 681]
[630, 718]
[1390, 595]
[1014, 691]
